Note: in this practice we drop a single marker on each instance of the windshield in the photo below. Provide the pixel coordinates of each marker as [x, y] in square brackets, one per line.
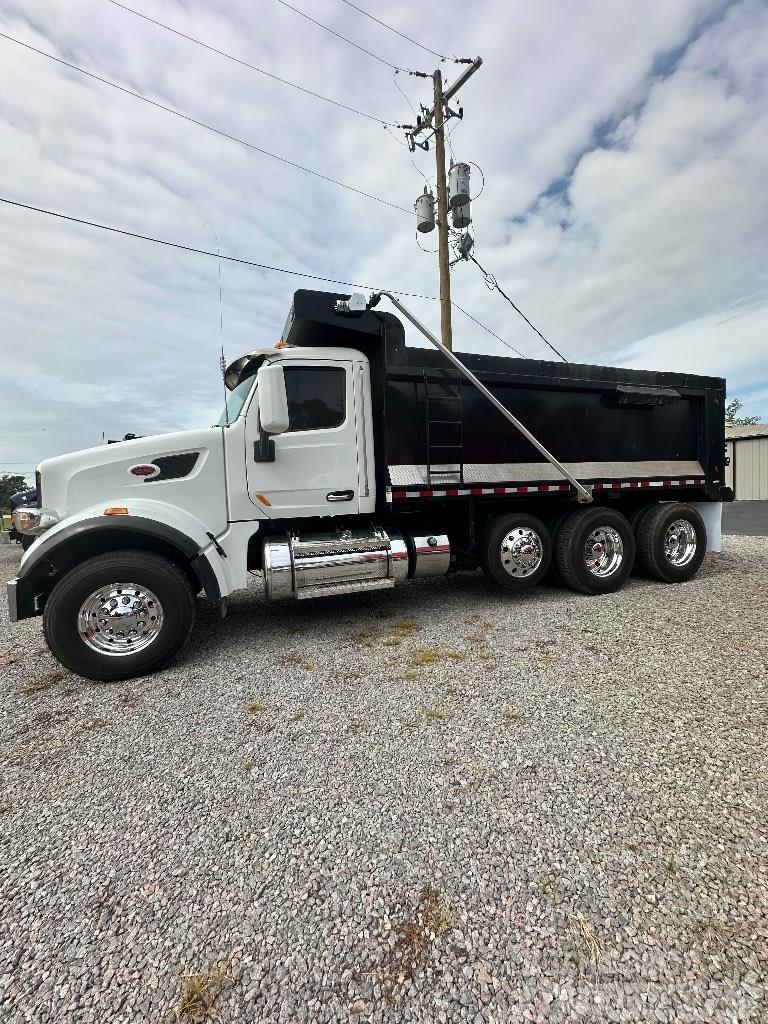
[236, 401]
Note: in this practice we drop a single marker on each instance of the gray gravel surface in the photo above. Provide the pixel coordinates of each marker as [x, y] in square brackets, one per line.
[435, 804]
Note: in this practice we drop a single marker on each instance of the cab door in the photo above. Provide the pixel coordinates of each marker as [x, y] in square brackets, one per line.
[315, 469]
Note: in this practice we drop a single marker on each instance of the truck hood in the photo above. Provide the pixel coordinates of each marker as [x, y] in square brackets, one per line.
[170, 468]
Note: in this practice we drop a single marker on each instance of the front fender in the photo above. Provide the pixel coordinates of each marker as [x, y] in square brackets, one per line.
[151, 525]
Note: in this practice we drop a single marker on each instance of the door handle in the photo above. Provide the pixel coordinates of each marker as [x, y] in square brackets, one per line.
[340, 496]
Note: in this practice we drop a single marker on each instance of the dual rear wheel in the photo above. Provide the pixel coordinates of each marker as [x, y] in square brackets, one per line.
[595, 549]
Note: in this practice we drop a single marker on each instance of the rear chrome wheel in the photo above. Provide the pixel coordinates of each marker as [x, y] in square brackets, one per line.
[595, 550]
[522, 550]
[680, 543]
[515, 551]
[120, 619]
[671, 542]
[603, 551]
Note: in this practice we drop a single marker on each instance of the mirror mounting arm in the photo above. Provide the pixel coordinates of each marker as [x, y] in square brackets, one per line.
[264, 449]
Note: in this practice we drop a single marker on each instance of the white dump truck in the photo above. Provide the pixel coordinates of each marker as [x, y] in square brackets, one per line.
[347, 462]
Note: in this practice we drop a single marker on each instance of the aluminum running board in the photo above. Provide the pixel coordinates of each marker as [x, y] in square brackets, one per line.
[584, 493]
[344, 587]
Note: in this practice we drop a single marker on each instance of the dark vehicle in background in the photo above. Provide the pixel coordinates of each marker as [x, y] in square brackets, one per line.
[23, 498]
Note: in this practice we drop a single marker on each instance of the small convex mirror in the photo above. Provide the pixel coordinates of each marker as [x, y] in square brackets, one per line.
[273, 403]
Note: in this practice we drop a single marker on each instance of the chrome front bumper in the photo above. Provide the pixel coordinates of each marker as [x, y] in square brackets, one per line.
[13, 612]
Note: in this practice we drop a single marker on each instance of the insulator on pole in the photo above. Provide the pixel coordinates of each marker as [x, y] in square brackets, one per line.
[460, 216]
[458, 185]
[425, 211]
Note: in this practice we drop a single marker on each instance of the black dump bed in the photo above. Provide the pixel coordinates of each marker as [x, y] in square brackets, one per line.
[435, 433]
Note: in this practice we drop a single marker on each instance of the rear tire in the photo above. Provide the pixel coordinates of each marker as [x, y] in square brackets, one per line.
[515, 551]
[671, 542]
[595, 550]
[119, 615]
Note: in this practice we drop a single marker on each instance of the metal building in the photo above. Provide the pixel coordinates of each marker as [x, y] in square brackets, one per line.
[747, 448]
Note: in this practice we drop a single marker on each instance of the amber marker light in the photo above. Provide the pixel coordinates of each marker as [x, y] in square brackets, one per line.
[264, 500]
[115, 510]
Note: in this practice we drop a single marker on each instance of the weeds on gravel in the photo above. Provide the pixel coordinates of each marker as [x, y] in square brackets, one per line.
[199, 992]
[9, 658]
[297, 661]
[430, 655]
[435, 715]
[398, 631]
[255, 707]
[416, 937]
[585, 935]
[46, 682]
[712, 931]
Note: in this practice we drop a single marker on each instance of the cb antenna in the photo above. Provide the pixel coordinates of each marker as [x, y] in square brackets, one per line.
[222, 360]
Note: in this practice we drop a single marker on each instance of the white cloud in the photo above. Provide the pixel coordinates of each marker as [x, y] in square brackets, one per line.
[624, 159]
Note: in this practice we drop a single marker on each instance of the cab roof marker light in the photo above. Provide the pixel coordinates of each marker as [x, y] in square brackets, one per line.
[116, 510]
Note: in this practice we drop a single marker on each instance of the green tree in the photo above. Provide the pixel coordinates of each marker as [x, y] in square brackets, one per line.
[10, 485]
[732, 410]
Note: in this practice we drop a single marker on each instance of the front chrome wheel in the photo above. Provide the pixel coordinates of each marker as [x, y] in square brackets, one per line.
[603, 551]
[680, 543]
[120, 619]
[521, 552]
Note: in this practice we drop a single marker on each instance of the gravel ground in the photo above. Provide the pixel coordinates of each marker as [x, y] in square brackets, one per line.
[435, 804]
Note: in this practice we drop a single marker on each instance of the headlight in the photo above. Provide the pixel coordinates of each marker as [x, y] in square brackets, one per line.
[34, 520]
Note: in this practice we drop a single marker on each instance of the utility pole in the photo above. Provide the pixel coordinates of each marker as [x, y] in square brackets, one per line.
[435, 119]
[442, 216]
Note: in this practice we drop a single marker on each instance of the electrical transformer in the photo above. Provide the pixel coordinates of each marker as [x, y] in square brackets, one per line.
[425, 212]
[458, 185]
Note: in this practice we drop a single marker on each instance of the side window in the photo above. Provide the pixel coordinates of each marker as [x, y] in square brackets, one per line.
[316, 397]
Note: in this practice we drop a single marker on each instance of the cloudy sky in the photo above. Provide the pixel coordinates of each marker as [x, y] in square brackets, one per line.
[624, 149]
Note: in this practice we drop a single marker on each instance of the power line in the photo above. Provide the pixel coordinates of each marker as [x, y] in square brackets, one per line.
[247, 263]
[351, 42]
[396, 31]
[253, 67]
[488, 329]
[203, 252]
[493, 284]
[208, 127]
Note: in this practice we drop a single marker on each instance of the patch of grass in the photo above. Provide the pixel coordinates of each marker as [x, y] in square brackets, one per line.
[672, 865]
[633, 847]
[416, 937]
[297, 661]
[255, 707]
[46, 682]
[9, 658]
[405, 627]
[435, 715]
[586, 936]
[95, 724]
[295, 630]
[363, 638]
[486, 657]
[391, 641]
[409, 674]
[296, 716]
[423, 656]
[249, 765]
[199, 992]
[713, 931]
[513, 716]
[546, 885]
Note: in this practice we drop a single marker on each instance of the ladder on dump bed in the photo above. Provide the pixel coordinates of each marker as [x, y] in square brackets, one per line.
[444, 430]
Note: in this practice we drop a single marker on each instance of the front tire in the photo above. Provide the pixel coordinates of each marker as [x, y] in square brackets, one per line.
[119, 615]
[515, 551]
[595, 550]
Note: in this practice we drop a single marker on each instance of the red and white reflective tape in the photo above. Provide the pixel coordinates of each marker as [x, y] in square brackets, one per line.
[397, 494]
